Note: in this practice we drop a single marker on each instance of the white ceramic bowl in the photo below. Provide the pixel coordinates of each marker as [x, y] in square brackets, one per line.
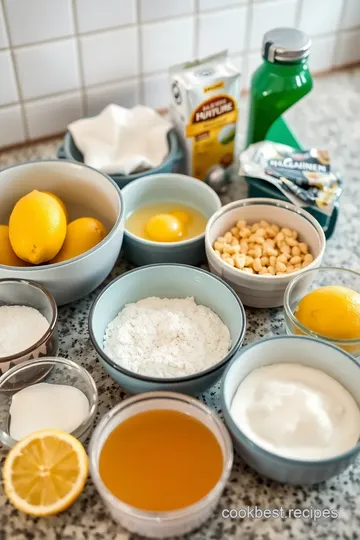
[256, 290]
[307, 351]
[86, 192]
[160, 524]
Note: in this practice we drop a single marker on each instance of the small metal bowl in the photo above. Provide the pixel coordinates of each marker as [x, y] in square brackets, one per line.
[28, 293]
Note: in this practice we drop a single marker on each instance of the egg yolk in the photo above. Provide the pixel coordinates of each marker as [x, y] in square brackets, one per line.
[164, 228]
[182, 216]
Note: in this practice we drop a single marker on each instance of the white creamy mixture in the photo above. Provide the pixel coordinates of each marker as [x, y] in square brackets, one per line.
[47, 406]
[166, 337]
[297, 412]
[20, 328]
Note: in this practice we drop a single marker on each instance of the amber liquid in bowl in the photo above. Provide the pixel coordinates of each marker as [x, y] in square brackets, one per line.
[161, 460]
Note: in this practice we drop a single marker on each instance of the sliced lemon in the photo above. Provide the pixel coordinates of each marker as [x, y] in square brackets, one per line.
[44, 473]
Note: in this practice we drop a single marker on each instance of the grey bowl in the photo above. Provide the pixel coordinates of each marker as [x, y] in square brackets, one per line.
[171, 281]
[174, 161]
[290, 349]
[176, 188]
[86, 192]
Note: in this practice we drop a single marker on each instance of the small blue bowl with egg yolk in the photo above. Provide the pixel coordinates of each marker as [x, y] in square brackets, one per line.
[174, 189]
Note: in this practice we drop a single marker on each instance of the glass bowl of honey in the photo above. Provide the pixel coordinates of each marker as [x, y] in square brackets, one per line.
[160, 462]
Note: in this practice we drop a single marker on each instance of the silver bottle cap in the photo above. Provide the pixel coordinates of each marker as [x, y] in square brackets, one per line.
[285, 45]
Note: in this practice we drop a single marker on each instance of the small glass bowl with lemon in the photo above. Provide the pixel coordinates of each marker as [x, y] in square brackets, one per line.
[325, 303]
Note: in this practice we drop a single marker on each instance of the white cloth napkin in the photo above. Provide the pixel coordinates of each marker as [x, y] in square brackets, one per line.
[121, 140]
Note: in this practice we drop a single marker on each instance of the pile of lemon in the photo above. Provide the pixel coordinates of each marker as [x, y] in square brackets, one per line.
[38, 232]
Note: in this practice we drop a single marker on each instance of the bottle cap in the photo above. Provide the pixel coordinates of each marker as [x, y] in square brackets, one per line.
[285, 45]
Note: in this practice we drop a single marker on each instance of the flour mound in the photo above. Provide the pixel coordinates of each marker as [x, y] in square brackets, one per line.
[166, 337]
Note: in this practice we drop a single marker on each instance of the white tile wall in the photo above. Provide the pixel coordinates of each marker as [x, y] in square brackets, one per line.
[48, 68]
[166, 43]
[38, 20]
[124, 93]
[222, 30]
[63, 59]
[8, 90]
[49, 115]
[4, 42]
[163, 9]
[109, 55]
[102, 14]
[320, 16]
[351, 14]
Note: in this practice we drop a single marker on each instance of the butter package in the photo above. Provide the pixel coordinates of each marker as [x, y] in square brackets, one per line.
[305, 177]
[204, 110]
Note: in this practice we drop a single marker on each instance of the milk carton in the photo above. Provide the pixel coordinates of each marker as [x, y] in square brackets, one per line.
[204, 110]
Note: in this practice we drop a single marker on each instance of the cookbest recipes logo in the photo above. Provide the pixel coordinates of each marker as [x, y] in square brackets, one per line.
[255, 512]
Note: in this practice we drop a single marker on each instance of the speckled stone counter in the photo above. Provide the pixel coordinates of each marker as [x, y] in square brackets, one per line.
[328, 118]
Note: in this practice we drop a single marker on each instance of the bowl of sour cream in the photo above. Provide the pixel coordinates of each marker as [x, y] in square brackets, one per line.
[292, 405]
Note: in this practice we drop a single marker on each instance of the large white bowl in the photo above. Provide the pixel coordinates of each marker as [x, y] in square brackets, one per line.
[256, 290]
[86, 193]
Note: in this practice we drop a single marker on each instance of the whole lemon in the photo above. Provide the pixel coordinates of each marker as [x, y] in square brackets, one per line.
[7, 254]
[82, 234]
[37, 227]
[62, 204]
[331, 311]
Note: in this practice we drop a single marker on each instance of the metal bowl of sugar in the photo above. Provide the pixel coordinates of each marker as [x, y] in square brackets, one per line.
[28, 326]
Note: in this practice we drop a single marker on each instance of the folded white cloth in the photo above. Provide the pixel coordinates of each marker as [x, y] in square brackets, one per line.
[121, 140]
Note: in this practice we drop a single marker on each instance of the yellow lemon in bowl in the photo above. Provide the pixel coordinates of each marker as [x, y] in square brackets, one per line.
[7, 254]
[37, 227]
[62, 204]
[82, 234]
[331, 311]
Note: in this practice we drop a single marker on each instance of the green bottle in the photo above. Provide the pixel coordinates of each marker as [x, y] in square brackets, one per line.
[282, 80]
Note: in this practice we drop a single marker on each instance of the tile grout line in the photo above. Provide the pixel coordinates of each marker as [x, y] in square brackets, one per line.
[137, 79]
[338, 34]
[298, 13]
[21, 101]
[140, 60]
[64, 38]
[196, 31]
[246, 62]
[79, 59]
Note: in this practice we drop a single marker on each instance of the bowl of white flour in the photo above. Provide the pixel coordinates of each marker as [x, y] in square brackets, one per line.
[167, 327]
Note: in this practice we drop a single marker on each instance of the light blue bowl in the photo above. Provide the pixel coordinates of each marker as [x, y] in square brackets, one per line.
[303, 350]
[167, 281]
[175, 188]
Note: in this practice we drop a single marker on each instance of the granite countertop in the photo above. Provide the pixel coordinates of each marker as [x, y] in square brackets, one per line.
[327, 118]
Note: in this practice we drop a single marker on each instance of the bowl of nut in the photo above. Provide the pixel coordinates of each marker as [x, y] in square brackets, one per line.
[258, 245]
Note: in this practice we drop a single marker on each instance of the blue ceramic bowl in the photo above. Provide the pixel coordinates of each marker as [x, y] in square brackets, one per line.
[167, 281]
[174, 161]
[175, 188]
[303, 350]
